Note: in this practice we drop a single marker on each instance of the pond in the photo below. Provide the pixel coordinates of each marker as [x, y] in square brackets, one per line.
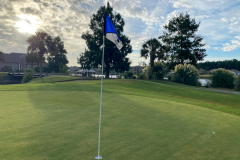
[204, 81]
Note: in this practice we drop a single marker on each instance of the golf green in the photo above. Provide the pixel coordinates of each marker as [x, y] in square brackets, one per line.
[141, 120]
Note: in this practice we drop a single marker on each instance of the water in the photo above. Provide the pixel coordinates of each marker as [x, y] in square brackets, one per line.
[204, 81]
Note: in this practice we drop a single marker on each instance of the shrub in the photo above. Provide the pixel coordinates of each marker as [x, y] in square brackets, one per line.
[128, 75]
[134, 77]
[6, 69]
[28, 70]
[158, 70]
[186, 74]
[63, 69]
[141, 76]
[237, 84]
[145, 73]
[222, 78]
[27, 78]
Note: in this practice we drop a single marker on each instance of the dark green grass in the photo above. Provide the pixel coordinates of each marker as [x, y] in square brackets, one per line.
[140, 120]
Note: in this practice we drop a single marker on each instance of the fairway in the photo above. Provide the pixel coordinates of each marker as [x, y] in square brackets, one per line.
[141, 120]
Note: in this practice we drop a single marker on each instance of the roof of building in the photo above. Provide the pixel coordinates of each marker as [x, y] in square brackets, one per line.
[15, 58]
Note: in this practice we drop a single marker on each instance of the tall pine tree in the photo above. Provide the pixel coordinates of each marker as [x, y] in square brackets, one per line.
[184, 45]
[113, 58]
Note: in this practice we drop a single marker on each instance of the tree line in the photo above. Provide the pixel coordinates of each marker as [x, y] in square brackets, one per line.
[179, 44]
[227, 64]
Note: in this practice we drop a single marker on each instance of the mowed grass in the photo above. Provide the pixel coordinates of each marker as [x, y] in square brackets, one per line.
[52, 79]
[140, 120]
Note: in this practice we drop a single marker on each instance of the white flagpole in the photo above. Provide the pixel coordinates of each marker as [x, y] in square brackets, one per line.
[100, 157]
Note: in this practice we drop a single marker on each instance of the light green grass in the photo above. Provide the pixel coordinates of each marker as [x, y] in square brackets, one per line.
[141, 120]
[52, 79]
[210, 76]
[205, 76]
[3, 73]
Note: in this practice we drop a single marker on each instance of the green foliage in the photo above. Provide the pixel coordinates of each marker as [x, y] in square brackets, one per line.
[40, 43]
[184, 45]
[28, 70]
[37, 69]
[145, 73]
[158, 70]
[153, 49]
[63, 69]
[113, 58]
[134, 77]
[186, 74]
[128, 75]
[222, 78]
[227, 64]
[237, 84]
[32, 57]
[57, 58]
[6, 69]
[2, 57]
[27, 78]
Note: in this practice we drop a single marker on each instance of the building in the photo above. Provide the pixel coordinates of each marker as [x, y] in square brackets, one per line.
[136, 69]
[73, 68]
[16, 61]
[235, 72]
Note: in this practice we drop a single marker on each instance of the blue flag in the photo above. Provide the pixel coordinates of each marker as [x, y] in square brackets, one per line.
[111, 33]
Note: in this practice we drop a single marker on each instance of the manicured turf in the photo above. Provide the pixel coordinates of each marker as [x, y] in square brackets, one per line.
[141, 120]
[52, 79]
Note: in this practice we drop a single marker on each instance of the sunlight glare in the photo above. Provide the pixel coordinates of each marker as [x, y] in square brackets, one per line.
[28, 24]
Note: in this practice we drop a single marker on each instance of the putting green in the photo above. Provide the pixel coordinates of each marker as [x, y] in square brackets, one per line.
[50, 122]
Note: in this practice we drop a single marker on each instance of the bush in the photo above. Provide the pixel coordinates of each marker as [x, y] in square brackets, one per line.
[186, 74]
[120, 76]
[237, 84]
[128, 75]
[134, 77]
[27, 78]
[28, 70]
[6, 69]
[63, 69]
[222, 78]
[158, 70]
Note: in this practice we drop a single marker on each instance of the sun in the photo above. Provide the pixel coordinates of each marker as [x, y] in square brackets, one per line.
[27, 24]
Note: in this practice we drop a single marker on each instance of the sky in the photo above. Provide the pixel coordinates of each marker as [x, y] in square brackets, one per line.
[144, 19]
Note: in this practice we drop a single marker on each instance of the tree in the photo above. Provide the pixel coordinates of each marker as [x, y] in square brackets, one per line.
[57, 58]
[153, 49]
[40, 43]
[184, 45]
[32, 58]
[2, 57]
[113, 58]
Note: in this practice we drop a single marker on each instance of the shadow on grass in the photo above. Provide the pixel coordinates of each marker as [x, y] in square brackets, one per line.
[133, 127]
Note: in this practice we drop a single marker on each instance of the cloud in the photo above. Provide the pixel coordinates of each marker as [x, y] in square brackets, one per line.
[144, 20]
[235, 44]
[180, 3]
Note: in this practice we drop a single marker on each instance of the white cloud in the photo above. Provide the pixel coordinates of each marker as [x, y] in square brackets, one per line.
[235, 44]
[224, 20]
[144, 20]
[180, 3]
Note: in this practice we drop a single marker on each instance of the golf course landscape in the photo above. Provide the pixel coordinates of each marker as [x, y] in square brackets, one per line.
[141, 120]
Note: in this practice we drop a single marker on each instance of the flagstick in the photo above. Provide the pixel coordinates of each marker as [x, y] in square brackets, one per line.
[99, 157]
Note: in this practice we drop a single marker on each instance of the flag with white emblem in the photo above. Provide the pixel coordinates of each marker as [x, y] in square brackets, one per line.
[111, 33]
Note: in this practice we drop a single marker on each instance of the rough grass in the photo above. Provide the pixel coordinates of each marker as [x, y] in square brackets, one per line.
[140, 120]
